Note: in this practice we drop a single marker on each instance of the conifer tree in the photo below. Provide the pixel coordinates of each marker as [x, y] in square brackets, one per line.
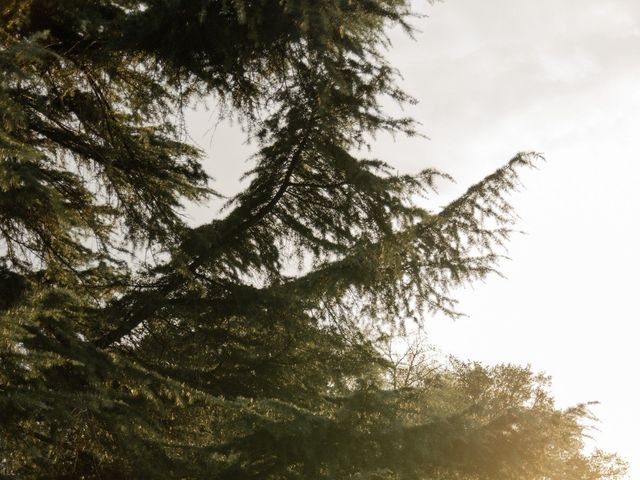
[135, 346]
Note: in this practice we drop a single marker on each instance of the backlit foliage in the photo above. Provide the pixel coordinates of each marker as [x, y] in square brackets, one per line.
[135, 346]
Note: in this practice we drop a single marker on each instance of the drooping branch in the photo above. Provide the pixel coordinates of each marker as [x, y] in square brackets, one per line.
[228, 230]
[253, 219]
[402, 259]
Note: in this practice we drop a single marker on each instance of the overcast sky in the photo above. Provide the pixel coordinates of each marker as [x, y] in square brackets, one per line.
[561, 77]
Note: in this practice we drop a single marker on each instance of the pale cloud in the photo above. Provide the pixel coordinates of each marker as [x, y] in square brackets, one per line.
[560, 77]
[496, 77]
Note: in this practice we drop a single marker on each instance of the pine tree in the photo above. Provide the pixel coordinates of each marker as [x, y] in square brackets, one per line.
[135, 346]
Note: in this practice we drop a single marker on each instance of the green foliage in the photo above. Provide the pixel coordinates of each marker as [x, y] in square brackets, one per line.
[135, 346]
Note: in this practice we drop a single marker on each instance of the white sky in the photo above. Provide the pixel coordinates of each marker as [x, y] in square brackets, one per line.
[561, 77]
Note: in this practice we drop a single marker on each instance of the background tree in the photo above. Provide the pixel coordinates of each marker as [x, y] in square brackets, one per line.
[134, 346]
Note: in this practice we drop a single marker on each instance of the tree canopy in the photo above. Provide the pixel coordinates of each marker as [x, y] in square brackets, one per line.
[136, 346]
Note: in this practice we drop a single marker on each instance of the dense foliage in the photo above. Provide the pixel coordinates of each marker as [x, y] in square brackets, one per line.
[135, 346]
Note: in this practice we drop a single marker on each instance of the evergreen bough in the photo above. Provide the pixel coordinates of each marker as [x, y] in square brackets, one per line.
[136, 346]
